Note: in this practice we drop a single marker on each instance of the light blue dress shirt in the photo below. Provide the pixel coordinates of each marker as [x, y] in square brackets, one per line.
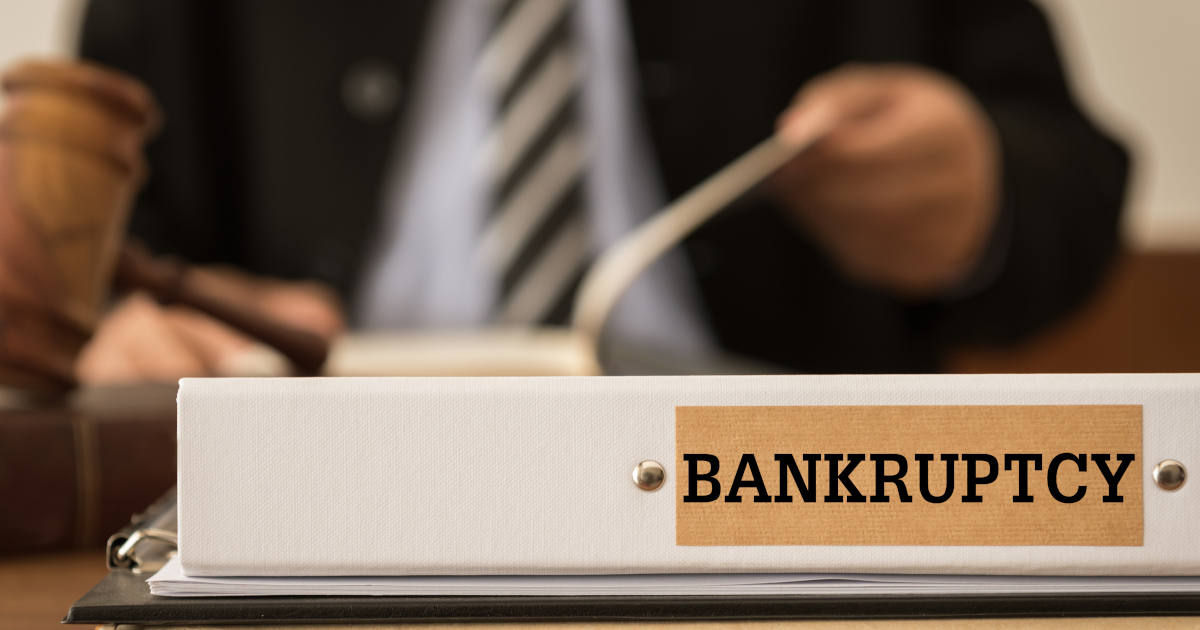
[426, 270]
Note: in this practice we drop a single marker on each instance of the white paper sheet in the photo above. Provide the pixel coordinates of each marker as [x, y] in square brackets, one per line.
[171, 581]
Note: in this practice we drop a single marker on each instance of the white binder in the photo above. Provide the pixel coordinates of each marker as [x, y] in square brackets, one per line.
[464, 476]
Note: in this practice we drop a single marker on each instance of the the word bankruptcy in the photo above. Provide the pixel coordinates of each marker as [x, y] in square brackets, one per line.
[895, 471]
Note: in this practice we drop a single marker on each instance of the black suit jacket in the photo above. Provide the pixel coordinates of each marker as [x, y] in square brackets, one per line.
[263, 166]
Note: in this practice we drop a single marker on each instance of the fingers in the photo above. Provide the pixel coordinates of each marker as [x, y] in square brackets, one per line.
[808, 120]
[309, 306]
[137, 342]
[902, 189]
[141, 341]
[213, 343]
[874, 111]
[834, 101]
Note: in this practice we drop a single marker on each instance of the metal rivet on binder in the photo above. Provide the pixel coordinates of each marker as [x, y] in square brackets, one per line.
[1170, 475]
[649, 475]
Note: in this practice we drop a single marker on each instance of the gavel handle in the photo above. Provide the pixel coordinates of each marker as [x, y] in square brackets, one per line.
[167, 279]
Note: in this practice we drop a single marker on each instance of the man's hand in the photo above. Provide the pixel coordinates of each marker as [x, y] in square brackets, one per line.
[904, 188]
[141, 341]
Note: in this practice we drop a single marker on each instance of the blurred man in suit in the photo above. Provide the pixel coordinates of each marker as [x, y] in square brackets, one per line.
[459, 163]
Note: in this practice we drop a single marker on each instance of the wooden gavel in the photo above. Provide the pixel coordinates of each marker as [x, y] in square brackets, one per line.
[71, 164]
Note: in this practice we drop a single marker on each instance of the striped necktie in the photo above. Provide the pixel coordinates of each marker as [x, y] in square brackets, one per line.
[537, 237]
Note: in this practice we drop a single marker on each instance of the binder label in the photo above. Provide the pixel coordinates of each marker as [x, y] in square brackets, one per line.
[909, 475]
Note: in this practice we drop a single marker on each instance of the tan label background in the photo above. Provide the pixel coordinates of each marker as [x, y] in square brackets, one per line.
[728, 432]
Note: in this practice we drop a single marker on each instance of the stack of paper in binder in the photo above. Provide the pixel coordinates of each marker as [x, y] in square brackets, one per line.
[773, 484]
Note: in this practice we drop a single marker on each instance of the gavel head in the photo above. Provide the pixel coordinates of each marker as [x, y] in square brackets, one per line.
[71, 163]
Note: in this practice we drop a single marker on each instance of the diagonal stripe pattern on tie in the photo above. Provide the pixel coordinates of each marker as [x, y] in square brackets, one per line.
[537, 238]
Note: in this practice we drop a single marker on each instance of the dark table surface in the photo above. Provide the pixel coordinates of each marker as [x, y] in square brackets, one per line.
[123, 597]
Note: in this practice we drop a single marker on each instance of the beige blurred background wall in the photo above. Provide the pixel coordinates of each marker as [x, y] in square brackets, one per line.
[1134, 63]
[37, 27]
[1136, 66]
